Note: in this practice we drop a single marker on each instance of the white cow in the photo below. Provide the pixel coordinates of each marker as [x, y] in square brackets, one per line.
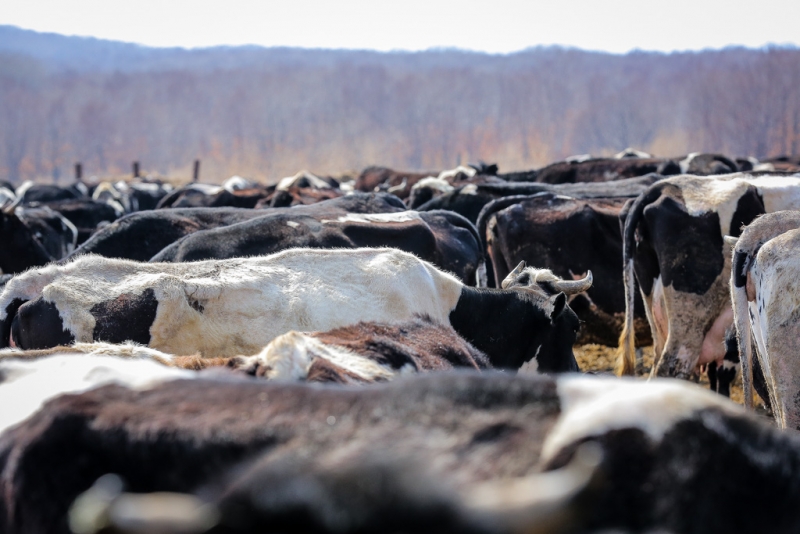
[765, 290]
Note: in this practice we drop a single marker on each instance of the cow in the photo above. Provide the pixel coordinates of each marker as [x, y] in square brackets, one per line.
[368, 352]
[593, 170]
[86, 215]
[429, 188]
[140, 236]
[297, 195]
[30, 192]
[144, 195]
[783, 163]
[443, 238]
[630, 153]
[570, 237]
[244, 443]
[21, 248]
[673, 243]
[237, 306]
[54, 231]
[128, 197]
[373, 178]
[106, 193]
[763, 291]
[401, 183]
[701, 164]
[198, 195]
[237, 183]
[470, 199]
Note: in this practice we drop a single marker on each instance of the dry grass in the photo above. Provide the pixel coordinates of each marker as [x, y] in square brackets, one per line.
[600, 359]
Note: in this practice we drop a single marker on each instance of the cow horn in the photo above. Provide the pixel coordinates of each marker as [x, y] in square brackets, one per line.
[513, 274]
[9, 208]
[573, 287]
[730, 241]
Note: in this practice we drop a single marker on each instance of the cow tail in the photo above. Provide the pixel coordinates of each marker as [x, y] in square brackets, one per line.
[741, 320]
[626, 351]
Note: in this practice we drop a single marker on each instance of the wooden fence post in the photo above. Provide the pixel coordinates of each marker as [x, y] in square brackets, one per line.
[78, 172]
[135, 169]
[196, 172]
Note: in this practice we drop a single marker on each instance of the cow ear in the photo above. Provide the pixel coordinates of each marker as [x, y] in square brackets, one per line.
[513, 275]
[559, 302]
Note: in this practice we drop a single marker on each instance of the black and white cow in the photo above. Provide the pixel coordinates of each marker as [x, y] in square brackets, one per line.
[246, 444]
[764, 291]
[237, 306]
[673, 241]
[368, 352]
[140, 236]
[441, 237]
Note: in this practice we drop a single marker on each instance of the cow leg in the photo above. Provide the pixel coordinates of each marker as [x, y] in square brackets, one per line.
[725, 377]
[712, 376]
[38, 325]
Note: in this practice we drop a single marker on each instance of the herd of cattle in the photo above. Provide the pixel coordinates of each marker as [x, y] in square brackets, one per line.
[249, 358]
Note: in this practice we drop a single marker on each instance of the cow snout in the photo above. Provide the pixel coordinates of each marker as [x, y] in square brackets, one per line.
[38, 325]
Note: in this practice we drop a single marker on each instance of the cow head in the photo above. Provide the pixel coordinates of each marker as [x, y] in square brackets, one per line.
[553, 352]
[21, 249]
[544, 281]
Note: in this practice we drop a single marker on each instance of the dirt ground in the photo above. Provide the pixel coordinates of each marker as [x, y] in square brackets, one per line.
[600, 359]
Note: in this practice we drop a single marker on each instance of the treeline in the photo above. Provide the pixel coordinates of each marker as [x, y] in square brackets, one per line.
[267, 113]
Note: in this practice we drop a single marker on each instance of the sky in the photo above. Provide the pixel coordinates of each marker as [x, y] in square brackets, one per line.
[495, 26]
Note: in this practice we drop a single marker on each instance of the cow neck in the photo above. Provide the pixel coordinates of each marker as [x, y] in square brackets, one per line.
[495, 321]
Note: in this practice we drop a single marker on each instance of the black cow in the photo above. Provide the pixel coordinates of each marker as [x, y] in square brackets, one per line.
[211, 196]
[30, 192]
[55, 232]
[140, 236]
[569, 237]
[594, 170]
[443, 238]
[85, 214]
[21, 248]
[469, 200]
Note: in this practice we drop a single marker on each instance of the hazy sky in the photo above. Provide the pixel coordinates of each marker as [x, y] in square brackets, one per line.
[488, 25]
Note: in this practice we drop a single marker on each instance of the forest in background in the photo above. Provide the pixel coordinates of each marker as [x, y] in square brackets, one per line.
[267, 113]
